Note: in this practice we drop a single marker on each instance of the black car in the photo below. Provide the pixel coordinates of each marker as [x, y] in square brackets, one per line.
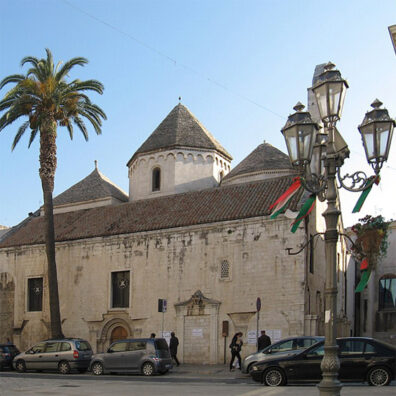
[361, 359]
[7, 353]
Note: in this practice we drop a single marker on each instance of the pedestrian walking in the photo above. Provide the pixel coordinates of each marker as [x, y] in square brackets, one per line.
[173, 344]
[263, 341]
[236, 347]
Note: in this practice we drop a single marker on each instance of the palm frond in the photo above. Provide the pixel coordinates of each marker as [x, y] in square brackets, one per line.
[95, 108]
[69, 127]
[93, 121]
[9, 117]
[80, 123]
[32, 136]
[79, 61]
[29, 59]
[89, 85]
[49, 65]
[19, 134]
[12, 79]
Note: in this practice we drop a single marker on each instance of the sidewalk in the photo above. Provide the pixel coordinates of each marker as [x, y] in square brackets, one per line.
[213, 370]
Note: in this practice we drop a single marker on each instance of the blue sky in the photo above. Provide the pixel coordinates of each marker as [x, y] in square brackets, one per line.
[239, 66]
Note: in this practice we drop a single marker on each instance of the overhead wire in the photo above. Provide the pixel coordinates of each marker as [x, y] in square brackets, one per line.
[171, 59]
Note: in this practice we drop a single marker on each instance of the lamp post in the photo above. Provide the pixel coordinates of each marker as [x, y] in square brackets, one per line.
[317, 155]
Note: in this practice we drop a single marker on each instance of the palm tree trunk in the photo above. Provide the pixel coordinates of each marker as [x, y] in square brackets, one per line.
[47, 175]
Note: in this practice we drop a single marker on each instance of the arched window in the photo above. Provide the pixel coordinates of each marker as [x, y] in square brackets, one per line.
[221, 175]
[387, 292]
[156, 182]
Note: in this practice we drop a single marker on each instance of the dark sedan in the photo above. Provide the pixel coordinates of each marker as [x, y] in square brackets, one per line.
[361, 359]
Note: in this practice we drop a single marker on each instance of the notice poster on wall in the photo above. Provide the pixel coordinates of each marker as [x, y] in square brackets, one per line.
[275, 335]
[251, 337]
[167, 336]
[197, 333]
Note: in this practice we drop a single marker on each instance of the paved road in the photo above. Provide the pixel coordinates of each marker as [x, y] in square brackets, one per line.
[188, 381]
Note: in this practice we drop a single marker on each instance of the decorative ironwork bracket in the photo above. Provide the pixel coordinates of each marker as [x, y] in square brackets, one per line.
[290, 253]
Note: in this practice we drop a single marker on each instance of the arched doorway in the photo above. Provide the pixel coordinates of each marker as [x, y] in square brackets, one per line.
[118, 333]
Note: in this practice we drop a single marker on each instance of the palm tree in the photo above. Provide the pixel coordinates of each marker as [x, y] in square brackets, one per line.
[47, 100]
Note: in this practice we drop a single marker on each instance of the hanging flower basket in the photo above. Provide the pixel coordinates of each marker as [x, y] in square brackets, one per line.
[370, 245]
[370, 242]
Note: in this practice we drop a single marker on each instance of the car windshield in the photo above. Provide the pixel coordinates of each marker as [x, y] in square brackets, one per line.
[83, 346]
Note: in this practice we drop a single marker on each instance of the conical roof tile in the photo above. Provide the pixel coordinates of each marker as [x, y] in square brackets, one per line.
[94, 186]
[179, 129]
[264, 157]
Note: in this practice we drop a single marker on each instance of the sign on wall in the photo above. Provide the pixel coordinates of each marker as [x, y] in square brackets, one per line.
[197, 333]
[251, 337]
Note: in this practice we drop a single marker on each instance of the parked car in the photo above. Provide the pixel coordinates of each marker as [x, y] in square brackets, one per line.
[62, 355]
[140, 355]
[361, 359]
[289, 346]
[7, 353]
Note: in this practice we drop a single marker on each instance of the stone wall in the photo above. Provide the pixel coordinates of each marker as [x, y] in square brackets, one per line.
[172, 264]
[181, 171]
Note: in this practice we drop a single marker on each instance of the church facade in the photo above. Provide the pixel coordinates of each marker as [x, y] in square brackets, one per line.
[191, 231]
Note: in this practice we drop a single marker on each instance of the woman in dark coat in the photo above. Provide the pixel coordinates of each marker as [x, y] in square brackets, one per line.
[236, 346]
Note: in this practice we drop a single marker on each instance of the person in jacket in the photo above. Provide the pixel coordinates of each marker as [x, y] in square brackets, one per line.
[236, 347]
[173, 343]
[263, 341]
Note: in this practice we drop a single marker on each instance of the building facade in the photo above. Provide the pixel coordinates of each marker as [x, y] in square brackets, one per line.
[193, 232]
[372, 312]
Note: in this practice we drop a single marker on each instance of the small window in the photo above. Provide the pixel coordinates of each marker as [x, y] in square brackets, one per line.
[120, 289]
[156, 179]
[119, 347]
[352, 347]
[39, 348]
[83, 346]
[137, 346]
[65, 347]
[224, 269]
[284, 346]
[318, 351]
[51, 347]
[35, 294]
[387, 292]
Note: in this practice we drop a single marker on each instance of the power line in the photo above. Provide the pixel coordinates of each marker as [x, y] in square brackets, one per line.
[171, 60]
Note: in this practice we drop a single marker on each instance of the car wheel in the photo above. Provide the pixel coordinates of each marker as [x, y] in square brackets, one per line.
[97, 368]
[274, 377]
[379, 376]
[147, 369]
[20, 366]
[64, 367]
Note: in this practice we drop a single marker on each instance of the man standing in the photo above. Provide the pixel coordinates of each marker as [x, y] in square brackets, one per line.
[174, 342]
[263, 341]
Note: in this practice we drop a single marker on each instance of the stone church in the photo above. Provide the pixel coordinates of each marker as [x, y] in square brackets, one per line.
[191, 231]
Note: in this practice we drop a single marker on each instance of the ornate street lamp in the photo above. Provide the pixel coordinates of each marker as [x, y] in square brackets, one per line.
[376, 130]
[318, 157]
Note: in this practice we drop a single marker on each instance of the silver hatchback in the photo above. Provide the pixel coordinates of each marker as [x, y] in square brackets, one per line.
[61, 355]
[286, 346]
[147, 356]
